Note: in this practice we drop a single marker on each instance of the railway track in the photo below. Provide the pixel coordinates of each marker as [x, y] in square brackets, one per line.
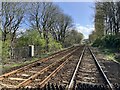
[37, 73]
[35, 63]
[111, 68]
[89, 71]
[72, 69]
[63, 76]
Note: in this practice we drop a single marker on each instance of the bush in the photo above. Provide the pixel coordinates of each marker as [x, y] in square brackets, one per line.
[108, 41]
[72, 37]
[111, 41]
[5, 49]
[117, 42]
[54, 45]
[31, 37]
[97, 43]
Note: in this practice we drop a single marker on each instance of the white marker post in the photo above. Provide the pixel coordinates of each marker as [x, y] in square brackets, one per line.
[31, 50]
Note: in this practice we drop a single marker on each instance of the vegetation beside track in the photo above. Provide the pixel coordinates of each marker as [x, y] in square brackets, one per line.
[9, 65]
[106, 35]
[48, 28]
[110, 54]
[109, 45]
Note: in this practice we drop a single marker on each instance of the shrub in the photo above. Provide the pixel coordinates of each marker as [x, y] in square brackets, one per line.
[108, 41]
[31, 37]
[54, 45]
[5, 49]
[97, 43]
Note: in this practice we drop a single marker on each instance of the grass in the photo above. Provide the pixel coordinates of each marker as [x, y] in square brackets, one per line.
[9, 64]
[109, 53]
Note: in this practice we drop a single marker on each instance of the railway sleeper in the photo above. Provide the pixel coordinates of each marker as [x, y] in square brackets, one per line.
[79, 86]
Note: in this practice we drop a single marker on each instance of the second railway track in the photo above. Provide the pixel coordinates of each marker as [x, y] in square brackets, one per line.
[30, 73]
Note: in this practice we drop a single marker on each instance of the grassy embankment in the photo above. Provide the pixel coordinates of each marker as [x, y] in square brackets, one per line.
[110, 54]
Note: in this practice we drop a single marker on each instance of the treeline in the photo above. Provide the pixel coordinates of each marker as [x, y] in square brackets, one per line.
[107, 25]
[45, 25]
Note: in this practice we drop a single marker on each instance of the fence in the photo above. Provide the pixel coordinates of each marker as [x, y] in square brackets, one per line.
[24, 52]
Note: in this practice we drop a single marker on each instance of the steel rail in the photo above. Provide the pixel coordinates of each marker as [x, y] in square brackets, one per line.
[42, 83]
[30, 79]
[2, 77]
[101, 70]
[71, 84]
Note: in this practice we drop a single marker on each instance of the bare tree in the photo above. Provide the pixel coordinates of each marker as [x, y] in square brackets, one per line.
[64, 23]
[12, 16]
[111, 17]
[35, 15]
[42, 18]
[48, 18]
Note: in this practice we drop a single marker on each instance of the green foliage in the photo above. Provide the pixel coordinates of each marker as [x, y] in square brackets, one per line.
[111, 41]
[108, 41]
[97, 42]
[73, 37]
[4, 46]
[92, 37]
[6, 49]
[99, 21]
[53, 45]
[0, 43]
[31, 37]
[0, 48]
